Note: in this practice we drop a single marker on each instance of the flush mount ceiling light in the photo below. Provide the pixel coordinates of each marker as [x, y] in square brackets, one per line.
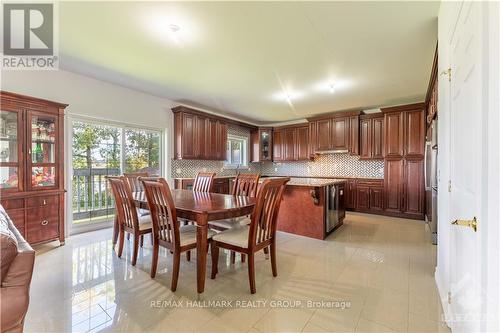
[171, 27]
[331, 86]
[288, 96]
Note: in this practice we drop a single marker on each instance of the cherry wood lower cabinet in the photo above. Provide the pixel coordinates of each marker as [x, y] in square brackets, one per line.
[369, 195]
[404, 187]
[221, 185]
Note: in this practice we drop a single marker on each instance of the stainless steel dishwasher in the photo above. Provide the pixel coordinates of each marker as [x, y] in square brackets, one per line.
[335, 209]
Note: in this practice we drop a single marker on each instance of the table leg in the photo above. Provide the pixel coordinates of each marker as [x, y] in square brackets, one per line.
[116, 230]
[201, 251]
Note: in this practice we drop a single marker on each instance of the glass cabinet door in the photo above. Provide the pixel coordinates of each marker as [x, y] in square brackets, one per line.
[42, 145]
[10, 150]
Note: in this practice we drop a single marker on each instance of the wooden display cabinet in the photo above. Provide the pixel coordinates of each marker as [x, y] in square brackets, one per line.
[32, 166]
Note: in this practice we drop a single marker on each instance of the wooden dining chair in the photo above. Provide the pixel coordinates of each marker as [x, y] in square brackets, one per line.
[128, 218]
[133, 179]
[260, 234]
[245, 184]
[166, 229]
[204, 182]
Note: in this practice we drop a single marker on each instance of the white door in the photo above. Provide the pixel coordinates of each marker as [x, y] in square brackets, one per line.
[466, 111]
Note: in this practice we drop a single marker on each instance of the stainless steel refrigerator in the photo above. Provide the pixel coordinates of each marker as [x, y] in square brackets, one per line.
[431, 151]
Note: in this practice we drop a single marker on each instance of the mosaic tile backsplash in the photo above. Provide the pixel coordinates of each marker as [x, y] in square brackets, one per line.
[328, 165]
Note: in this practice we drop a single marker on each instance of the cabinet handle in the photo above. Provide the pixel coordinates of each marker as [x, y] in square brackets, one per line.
[45, 222]
[44, 202]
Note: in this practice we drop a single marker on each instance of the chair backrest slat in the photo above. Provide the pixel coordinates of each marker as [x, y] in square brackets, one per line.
[204, 182]
[163, 212]
[134, 181]
[265, 214]
[125, 207]
[246, 184]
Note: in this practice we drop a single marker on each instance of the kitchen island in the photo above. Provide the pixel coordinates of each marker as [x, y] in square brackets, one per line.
[312, 207]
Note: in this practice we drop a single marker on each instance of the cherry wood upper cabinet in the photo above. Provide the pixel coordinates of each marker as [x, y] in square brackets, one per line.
[394, 127]
[414, 142]
[354, 135]
[262, 143]
[221, 141]
[365, 135]
[377, 138]
[302, 144]
[340, 133]
[336, 132]
[371, 136]
[199, 135]
[184, 136]
[313, 138]
[404, 130]
[324, 135]
[291, 143]
[277, 145]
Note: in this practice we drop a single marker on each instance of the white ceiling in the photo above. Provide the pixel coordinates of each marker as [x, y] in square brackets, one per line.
[240, 58]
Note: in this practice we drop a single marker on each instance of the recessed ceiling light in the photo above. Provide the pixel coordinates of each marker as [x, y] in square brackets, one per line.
[332, 88]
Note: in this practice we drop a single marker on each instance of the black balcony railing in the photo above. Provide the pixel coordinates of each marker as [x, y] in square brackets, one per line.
[92, 196]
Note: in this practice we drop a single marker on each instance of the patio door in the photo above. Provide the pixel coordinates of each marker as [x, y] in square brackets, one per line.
[100, 150]
[96, 153]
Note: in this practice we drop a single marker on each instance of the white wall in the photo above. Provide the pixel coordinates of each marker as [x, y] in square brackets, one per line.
[96, 99]
[91, 98]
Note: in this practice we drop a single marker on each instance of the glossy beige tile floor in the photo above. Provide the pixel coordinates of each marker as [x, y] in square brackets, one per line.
[378, 269]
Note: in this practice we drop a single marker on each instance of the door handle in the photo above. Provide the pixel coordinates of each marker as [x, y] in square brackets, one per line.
[467, 223]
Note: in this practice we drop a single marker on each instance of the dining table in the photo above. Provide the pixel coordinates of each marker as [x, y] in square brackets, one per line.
[200, 207]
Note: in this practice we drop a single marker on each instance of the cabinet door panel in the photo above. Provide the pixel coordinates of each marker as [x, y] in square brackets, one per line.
[377, 138]
[414, 187]
[211, 139]
[289, 137]
[221, 141]
[415, 133]
[199, 137]
[188, 138]
[365, 134]
[394, 175]
[43, 223]
[394, 135]
[350, 197]
[340, 130]
[313, 138]
[43, 154]
[363, 198]
[277, 145]
[354, 135]
[11, 150]
[324, 134]
[302, 143]
[376, 199]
